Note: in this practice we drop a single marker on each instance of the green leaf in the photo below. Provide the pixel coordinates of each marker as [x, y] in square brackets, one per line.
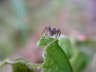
[44, 40]
[19, 65]
[55, 60]
[77, 58]
[79, 62]
[65, 44]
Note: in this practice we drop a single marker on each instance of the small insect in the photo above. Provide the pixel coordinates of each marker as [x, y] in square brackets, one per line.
[52, 31]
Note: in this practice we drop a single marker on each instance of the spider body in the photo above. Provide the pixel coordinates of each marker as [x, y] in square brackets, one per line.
[52, 31]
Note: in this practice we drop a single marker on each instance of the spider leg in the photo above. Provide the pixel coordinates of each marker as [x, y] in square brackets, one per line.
[45, 31]
[58, 33]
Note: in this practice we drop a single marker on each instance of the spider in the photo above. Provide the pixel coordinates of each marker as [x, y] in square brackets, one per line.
[52, 31]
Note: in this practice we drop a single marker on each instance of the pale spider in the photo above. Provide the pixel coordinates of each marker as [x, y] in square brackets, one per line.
[52, 31]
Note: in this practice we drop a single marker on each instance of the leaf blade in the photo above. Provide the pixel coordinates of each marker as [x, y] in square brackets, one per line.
[55, 59]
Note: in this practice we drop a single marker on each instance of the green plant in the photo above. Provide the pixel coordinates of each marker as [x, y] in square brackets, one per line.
[60, 55]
